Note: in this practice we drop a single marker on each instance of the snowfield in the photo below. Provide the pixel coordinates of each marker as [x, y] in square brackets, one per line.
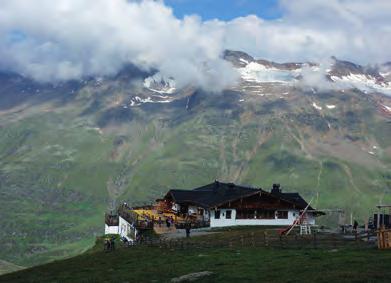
[255, 72]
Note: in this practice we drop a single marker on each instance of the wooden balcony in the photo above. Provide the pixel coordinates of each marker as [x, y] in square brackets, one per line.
[136, 220]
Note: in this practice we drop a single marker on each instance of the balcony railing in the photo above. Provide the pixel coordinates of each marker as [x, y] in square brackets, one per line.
[134, 219]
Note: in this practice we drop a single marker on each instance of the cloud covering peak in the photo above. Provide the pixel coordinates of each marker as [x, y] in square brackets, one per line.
[68, 39]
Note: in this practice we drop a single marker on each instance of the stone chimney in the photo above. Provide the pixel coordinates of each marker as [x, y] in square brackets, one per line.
[276, 189]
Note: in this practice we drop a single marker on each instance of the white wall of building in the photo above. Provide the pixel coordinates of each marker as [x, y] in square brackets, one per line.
[223, 221]
[175, 207]
[311, 218]
[125, 229]
[206, 215]
[111, 229]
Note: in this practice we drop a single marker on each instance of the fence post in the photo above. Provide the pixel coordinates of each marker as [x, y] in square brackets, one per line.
[314, 239]
[380, 239]
[242, 240]
[281, 241]
[265, 238]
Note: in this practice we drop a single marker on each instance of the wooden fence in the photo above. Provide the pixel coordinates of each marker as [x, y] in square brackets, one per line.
[314, 241]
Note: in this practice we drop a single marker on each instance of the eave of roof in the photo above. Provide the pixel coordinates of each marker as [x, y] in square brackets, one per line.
[279, 196]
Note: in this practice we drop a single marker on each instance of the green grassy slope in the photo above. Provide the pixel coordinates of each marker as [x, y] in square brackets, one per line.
[7, 267]
[63, 164]
[236, 264]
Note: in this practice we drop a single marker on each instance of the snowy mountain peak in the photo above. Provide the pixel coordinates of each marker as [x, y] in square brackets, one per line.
[340, 74]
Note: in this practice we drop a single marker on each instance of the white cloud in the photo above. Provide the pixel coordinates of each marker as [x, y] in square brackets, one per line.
[66, 39]
[315, 77]
[357, 30]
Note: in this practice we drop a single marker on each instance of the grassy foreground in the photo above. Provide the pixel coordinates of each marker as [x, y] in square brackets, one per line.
[244, 264]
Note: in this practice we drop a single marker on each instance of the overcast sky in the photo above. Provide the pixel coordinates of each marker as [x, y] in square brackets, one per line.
[68, 39]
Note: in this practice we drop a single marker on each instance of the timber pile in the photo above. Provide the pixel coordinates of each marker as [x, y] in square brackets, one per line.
[384, 239]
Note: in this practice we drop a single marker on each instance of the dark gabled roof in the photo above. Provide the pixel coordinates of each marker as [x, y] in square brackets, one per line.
[212, 194]
[292, 197]
[218, 193]
[219, 186]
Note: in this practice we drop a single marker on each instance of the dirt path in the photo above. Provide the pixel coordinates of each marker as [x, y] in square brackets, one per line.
[244, 164]
[318, 183]
[299, 139]
[350, 176]
[224, 172]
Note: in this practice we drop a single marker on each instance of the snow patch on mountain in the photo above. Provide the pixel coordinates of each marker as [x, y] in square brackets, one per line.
[137, 101]
[244, 61]
[387, 108]
[159, 84]
[330, 106]
[255, 72]
[316, 106]
[338, 75]
[362, 82]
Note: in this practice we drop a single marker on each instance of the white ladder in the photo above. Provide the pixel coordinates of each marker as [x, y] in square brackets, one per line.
[305, 230]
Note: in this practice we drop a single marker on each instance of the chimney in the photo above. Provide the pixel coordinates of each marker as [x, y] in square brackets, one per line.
[216, 186]
[276, 189]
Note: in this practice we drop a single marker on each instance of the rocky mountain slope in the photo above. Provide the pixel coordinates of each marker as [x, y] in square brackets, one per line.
[70, 151]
